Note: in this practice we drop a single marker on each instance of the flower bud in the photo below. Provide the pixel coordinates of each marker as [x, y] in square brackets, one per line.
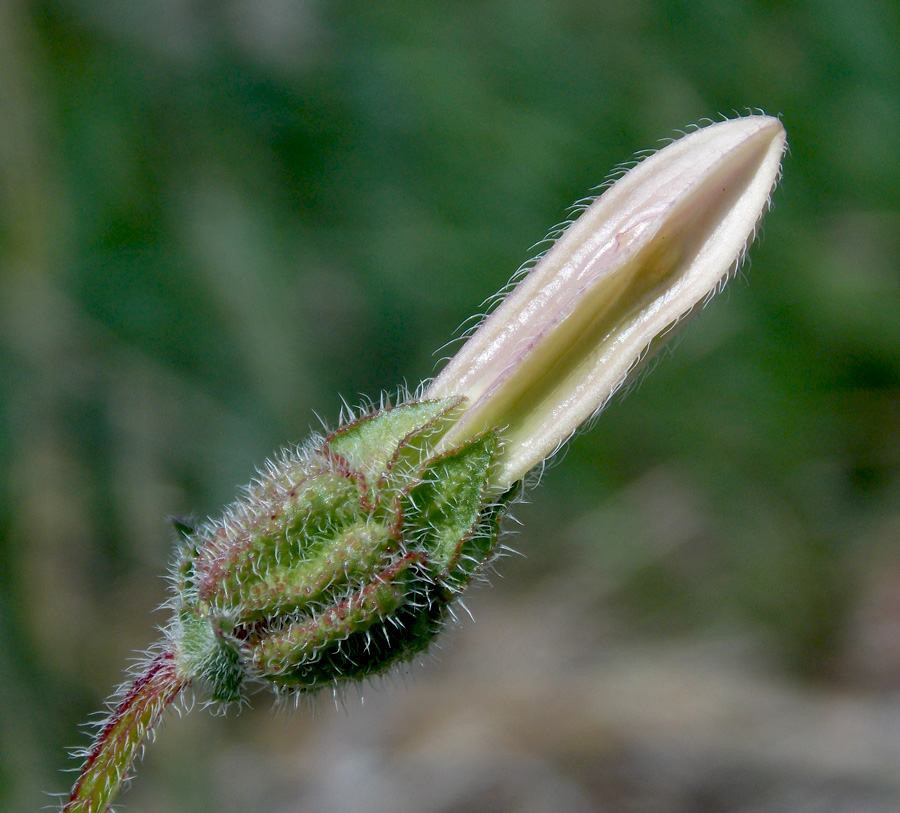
[655, 245]
[345, 556]
[341, 559]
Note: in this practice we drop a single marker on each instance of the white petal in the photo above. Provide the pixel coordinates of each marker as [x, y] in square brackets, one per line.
[653, 246]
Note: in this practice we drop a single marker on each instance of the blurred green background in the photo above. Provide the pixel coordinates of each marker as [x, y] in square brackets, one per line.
[218, 217]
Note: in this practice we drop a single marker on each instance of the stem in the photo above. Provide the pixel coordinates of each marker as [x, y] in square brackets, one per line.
[109, 762]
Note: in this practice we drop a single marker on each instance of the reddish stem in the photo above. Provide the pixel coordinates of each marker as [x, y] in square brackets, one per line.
[109, 762]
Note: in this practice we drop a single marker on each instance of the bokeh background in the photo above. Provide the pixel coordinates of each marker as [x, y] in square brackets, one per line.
[218, 217]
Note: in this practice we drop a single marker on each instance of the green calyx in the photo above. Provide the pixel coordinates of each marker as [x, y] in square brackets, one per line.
[341, 560]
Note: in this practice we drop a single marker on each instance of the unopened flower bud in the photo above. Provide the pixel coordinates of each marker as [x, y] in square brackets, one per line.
[655, 245]
[345, 556]
[340, 560]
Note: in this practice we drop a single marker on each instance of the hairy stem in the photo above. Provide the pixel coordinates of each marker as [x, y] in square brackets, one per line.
[109, 762]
